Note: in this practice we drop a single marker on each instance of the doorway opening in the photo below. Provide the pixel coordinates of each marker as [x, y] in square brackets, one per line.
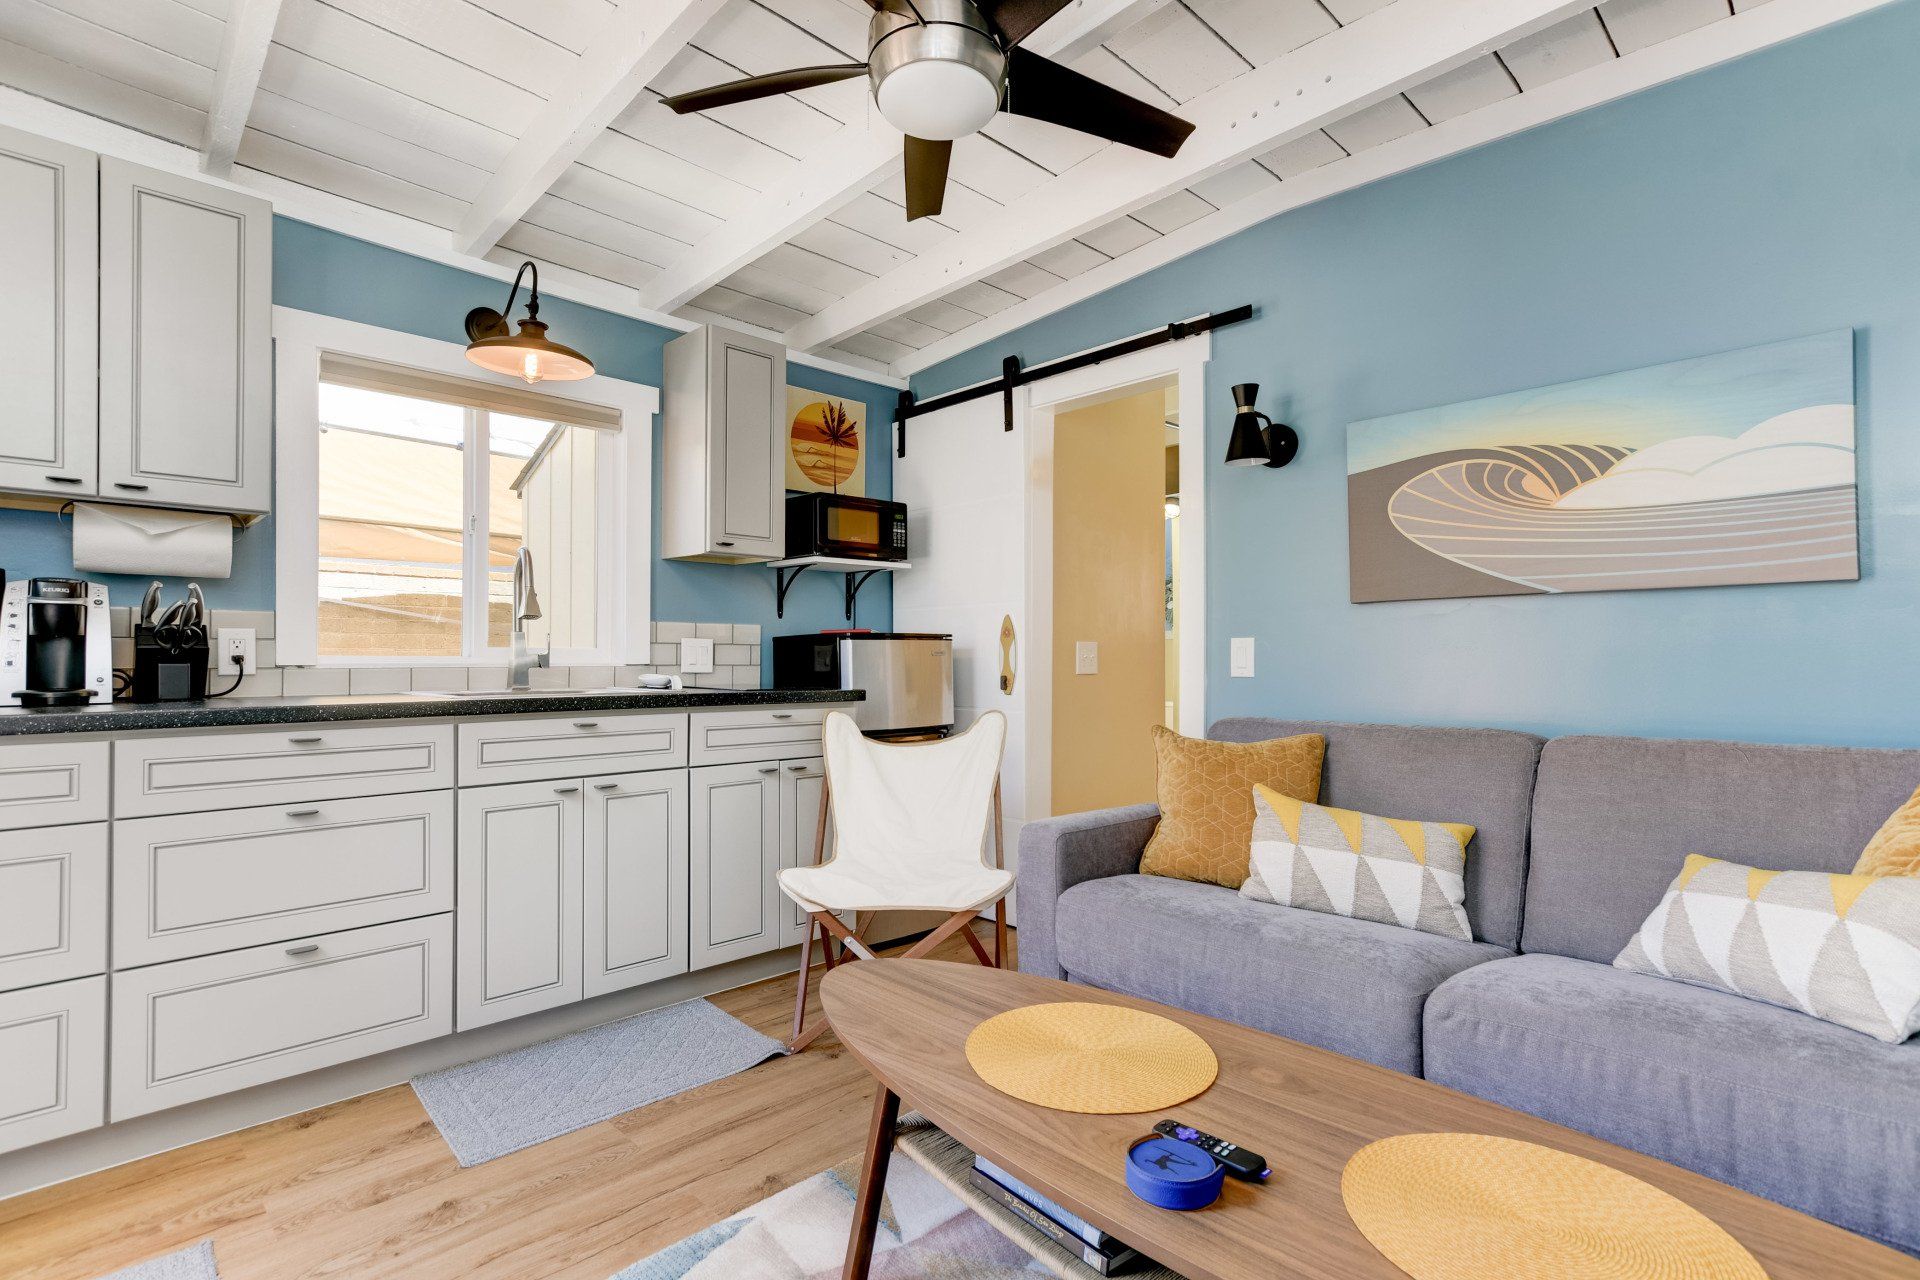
[1116, 593]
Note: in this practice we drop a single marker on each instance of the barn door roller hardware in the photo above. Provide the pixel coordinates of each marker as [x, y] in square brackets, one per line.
[1012, 375]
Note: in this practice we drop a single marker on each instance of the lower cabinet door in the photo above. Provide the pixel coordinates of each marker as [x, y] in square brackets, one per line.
[194, 1028]
[517, 894]
[53, 1061]
[636, 879]
[732, 853]
[803, 787]
[53, 905]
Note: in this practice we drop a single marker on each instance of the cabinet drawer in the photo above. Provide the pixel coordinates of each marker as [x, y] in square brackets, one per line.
[571, 746]
[283, 766]
[192, 884]
[736, 737]
[195, 1028]
[45, 781]
[53, 905]
[53, 1061]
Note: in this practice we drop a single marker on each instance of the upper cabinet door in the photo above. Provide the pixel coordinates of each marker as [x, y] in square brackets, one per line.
[748, 380]
[49, 243]
[186, 296]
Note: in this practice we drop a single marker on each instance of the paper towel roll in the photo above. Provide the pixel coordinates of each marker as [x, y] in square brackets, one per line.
[148, 542]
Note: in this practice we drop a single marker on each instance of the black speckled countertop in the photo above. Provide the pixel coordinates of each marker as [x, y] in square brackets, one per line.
[212, 713]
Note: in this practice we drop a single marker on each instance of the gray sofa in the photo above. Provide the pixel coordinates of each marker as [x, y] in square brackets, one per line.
[1577, 839]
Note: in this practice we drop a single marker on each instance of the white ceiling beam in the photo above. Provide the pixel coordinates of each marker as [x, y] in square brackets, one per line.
[1747, 31]
[243, 52]
[639, 39]
[1391, 49]
[851, 162]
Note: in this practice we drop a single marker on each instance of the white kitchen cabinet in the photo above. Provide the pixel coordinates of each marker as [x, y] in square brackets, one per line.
[636, 879]
[48, 781]
[185, 332]
[527, 749]
[724, 415]
[755, 733]
[53, 1061]
[291, 764]
[53, 904]
[733, 851]
[803, 789]
[49, 243]
[518, 895]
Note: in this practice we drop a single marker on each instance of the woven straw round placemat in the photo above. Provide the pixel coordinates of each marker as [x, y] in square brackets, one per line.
[1465, 1206]
[1095, 1058]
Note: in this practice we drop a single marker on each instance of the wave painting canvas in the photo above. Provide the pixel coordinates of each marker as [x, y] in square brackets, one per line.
[1723, 470]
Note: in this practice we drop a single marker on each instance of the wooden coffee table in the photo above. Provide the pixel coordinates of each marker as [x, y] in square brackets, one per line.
[1306, 1110]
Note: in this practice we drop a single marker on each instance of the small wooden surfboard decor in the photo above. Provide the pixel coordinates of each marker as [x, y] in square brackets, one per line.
[1006, 654]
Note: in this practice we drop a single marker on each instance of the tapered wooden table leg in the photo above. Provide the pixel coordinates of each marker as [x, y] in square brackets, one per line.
[873, 1185]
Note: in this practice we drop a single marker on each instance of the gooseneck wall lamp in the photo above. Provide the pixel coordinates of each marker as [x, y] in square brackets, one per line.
[1255, 445]
[529, 354]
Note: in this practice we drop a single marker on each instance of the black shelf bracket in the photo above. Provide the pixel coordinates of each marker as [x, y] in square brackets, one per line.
[857, 579]
[784, 576]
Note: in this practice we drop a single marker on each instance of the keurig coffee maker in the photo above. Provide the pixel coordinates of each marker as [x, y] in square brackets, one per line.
[56, 643]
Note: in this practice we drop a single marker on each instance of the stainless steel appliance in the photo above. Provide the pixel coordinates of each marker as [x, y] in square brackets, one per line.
[908, 678]
[850, 528]
[56, 643]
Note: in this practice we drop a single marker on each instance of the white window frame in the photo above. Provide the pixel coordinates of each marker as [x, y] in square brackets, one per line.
[625, 541]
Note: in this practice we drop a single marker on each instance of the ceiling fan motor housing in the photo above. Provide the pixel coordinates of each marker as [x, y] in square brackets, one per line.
[937, 71]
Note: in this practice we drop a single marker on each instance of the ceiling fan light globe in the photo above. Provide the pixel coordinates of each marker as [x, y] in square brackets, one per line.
[938, 100]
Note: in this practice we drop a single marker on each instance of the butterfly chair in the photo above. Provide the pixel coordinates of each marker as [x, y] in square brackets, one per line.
[910, 823]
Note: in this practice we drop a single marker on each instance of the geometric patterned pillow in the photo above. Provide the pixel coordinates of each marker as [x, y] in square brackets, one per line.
[1844, 948]
[1345, 863]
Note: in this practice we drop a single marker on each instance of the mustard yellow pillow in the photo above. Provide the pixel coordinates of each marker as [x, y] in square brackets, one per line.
[1895, 848]
[1206, 800]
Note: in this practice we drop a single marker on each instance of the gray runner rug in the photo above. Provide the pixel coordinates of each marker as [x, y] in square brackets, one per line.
[194, 1263]
[513, 1100]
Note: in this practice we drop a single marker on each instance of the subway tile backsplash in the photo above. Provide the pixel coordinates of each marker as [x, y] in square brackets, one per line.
[736, 650]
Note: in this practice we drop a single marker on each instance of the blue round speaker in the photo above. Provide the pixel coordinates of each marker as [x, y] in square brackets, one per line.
[1173, 1175]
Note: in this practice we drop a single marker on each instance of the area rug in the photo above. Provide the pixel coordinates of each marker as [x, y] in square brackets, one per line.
[194, 1263]
[511, 1101]
[801, 1234]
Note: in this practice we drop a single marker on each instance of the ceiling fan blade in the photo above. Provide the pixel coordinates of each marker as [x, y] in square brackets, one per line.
[1015, 20]
[721, 95]
[1044, 90]
[926, 177]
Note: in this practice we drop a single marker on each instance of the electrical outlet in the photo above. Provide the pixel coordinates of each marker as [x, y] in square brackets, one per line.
[232, 642]
[696, 657]
[1240, 656]
[1086, 657]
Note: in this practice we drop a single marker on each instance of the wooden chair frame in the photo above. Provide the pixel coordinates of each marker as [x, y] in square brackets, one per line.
[853, 942]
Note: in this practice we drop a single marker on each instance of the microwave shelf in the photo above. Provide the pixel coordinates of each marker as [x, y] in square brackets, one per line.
[857, 572]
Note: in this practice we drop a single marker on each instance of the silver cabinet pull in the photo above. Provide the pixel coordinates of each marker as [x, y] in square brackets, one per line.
[606, 786]
[305, 740]
[136, 488]
[799, 768]
[772, 768]
[564, 791]
[586, 724]
[305, 950]
[303, 813]
[783, 715]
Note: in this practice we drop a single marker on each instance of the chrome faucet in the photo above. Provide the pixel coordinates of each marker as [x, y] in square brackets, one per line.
[526, 607]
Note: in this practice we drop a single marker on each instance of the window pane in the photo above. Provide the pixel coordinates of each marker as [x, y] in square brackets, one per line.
[391, 515]
[544, 496]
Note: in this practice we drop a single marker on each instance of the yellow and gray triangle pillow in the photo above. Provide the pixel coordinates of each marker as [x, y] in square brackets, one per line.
[1844, 948]
[1389, 870]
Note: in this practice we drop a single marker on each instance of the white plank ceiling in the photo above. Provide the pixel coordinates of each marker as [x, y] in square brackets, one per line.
[410, 106]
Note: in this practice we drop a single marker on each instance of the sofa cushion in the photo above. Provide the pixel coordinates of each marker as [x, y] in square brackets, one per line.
[1483, 777]
[1615, 818]
[1797, 1110]
[1352, 986]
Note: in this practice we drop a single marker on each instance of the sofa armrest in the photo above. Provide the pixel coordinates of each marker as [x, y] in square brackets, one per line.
[1058, 853]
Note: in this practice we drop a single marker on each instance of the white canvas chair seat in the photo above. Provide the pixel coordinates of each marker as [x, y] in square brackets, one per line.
[910, 825]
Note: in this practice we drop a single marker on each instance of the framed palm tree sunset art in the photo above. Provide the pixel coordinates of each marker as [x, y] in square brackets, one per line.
[826, 443]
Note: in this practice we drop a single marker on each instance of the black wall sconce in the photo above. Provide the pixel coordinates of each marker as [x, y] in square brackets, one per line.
[529, 354]
[1254, 445]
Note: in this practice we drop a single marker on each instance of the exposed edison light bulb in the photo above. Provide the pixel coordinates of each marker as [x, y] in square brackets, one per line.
[530, 367]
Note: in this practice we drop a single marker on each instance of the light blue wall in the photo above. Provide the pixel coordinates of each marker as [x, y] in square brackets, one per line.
[318, 270]
[1769, 198]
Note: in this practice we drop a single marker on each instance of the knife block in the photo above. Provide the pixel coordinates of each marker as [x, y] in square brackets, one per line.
[168, 673]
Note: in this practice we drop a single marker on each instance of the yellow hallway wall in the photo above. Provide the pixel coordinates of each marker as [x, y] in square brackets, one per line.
[1108, 536]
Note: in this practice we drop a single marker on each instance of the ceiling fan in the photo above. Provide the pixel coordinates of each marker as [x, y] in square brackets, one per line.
[941, 69]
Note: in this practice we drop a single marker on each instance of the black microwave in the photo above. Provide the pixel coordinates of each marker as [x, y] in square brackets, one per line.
[837, 524]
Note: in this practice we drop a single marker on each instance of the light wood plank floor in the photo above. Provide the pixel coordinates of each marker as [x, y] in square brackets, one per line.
[365, 1188]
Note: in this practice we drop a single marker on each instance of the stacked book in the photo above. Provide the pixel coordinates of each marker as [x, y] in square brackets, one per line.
[1071, 1232]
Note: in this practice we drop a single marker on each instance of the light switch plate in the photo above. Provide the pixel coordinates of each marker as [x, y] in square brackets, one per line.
[1086, 657]
[1240, 656]
[696, 657]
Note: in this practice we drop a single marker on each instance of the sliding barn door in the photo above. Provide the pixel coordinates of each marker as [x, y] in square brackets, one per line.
[965, 483]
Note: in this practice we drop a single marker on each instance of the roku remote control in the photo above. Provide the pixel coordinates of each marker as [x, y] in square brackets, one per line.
[1238, 1161]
